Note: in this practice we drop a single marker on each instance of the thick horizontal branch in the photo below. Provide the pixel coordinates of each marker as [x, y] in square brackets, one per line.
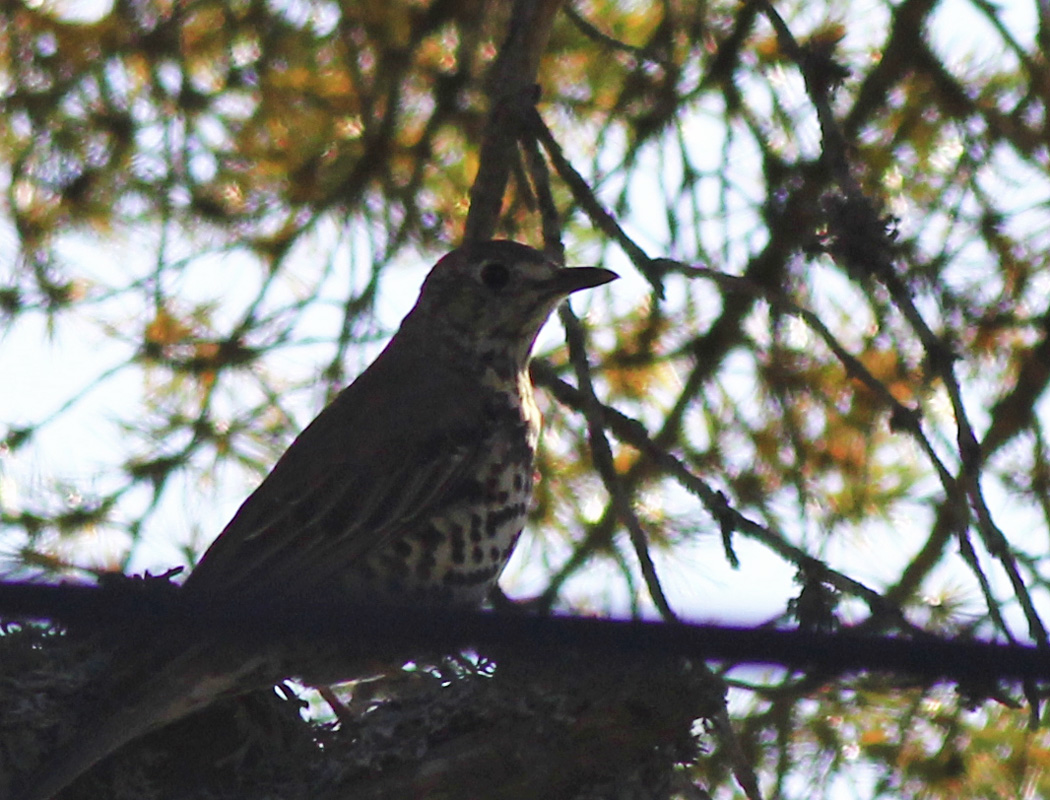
[359, 629]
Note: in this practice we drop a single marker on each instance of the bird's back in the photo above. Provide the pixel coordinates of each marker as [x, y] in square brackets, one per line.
[412, 486]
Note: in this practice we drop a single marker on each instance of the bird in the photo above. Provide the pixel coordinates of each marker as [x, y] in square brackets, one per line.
[410, 488]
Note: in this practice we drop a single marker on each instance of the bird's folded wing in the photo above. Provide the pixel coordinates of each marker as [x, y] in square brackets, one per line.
[386, 454]
[276, 547]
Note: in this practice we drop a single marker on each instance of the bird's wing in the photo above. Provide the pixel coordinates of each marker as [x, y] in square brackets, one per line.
[389, 450]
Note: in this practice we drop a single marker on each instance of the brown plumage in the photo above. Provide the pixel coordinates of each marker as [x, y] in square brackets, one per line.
[411, 486]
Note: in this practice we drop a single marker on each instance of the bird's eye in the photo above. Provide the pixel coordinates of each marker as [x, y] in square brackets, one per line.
[495, 275]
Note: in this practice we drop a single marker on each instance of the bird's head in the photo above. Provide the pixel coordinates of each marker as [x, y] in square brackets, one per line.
[493, 297]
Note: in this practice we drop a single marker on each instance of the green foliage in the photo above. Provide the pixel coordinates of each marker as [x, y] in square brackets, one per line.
[834, 310]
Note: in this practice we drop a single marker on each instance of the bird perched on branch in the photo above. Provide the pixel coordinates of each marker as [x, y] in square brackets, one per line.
[411, 487]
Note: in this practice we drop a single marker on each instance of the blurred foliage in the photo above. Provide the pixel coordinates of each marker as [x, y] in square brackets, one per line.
[210, 206]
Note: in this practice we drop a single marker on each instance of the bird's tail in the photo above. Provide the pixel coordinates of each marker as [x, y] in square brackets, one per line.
[178, 689]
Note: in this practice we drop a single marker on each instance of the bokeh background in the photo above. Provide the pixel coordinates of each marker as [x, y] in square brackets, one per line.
[829, 350]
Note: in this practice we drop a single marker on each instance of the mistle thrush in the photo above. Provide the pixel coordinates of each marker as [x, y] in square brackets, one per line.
[412, 486]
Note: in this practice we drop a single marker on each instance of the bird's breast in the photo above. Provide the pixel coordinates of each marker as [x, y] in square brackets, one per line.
[455, 555]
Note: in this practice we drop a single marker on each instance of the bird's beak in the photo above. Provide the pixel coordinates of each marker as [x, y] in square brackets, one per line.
[573, 279]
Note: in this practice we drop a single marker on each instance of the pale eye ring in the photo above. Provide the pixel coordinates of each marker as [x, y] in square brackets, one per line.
[495, 275]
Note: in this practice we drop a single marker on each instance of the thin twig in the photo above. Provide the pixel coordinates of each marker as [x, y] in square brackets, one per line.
[512, 95]
[878, 262]
[603, 460]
